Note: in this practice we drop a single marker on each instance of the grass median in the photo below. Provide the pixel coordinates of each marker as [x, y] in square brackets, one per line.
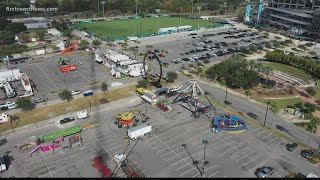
[48, 112]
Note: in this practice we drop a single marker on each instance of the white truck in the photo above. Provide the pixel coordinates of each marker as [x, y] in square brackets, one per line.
[2, 164]
[82, 114]
[138, 131]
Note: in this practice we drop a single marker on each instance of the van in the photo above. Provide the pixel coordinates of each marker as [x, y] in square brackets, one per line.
[88, 93]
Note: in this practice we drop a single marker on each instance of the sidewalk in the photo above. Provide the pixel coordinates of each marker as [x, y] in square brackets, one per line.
[57, 101]
[129, 101]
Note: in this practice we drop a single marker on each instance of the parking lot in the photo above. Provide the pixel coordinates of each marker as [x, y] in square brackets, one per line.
[162, 154]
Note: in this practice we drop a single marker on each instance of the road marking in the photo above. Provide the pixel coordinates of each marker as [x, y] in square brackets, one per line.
[100, 143]
[255, 130]
[196, 175]
[182, 166]
[273, 139]
[267, 136]
[214, 174]
[260, 132]
[46, 164]
[47, 76]
[187, 172]
[173, 151]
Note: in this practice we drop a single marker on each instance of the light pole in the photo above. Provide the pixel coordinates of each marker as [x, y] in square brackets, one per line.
[136, 7]
[199, 8]
[98, 5]
[204, 162]
[192, 6]
[194, 162]
[103, 2]
[158, 11]
[225, 8]
[44, 97]
[265, 117]
[310, 137]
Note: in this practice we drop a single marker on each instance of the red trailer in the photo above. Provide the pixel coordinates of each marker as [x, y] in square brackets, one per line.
[68, 68]
[99, 164]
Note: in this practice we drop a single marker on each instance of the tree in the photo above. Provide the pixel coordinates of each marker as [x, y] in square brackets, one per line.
[171, 76]
[96, 42]
[15, 27]
[247, 92]
[40, 33]
[206, 61]
[309, 44]
[24, 37]
[267, 70]
[3, 23]
[312, 53]
[301, 46]
[104, 87]
[143, 83]
[65, 95]
[6, 37]
[311, 91]
[83, 44]
[277, 38]
[275, 109]
[68, 33]
[268, 45]
[25, 104]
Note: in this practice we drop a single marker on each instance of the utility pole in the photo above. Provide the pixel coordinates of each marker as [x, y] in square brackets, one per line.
[225, 8]
[103, 2]
[265, 117]
[44, 97]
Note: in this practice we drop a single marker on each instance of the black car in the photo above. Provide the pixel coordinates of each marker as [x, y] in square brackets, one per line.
[3, 108]
[171, 93]
[292, 147]
[66, 120]
[307, 153]
[185, 59]
[156, 51]
[219, 53]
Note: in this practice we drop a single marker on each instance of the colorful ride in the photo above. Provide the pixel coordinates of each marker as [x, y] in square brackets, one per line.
[48, 148]
[71, 49]
[141, 90]
[99, 164]
[60, 134]
[68, 68]
[63, 61]
[228, 122]
[126, 116]
[163, 107]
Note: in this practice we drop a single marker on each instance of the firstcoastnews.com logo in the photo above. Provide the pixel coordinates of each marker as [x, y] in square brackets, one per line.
[30, 9]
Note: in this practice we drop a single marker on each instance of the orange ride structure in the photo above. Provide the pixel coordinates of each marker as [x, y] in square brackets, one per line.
[71, 49]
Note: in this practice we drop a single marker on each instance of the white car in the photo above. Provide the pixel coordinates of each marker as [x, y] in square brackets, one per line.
[7, 104]
[26, 94]
[75, 92]
[12, 106]
[2, 164]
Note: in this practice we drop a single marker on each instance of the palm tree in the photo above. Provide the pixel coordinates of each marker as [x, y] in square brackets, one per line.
[267, 70]
[274, 108]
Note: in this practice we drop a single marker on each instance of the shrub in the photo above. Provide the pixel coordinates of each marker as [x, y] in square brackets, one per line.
[311, 91]
[142, 83]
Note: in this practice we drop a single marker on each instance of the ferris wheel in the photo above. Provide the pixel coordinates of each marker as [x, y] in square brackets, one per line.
[152, 68]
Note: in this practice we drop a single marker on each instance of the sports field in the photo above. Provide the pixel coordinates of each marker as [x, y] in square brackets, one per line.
[135, 27]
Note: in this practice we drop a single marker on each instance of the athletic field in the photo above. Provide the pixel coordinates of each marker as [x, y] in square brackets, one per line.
[135, 27]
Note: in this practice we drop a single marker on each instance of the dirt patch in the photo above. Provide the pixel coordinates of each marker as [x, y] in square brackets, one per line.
[103, 100]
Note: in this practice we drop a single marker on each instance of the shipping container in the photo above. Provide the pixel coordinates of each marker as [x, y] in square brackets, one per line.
[138, 131]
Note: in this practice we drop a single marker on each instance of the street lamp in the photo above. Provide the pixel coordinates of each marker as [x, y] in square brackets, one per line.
[98, 6]
[103, 2]
[265, 117]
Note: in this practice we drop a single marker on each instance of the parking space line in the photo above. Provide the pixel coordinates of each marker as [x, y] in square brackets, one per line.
[196, 175]
[47, 76]
[267, 136]
[182, 166]
[186, 172]
[214, 174]
[255, 130]
[273, 139]
[260, 133]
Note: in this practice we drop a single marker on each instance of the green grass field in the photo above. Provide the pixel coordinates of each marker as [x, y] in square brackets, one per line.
[134, 27]
[283, 103]
[293, 71]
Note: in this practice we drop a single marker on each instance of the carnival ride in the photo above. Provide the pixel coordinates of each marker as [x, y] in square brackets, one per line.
[153, 73]
[192, 99]
[228, 122]
[126, 119]
[71, 49]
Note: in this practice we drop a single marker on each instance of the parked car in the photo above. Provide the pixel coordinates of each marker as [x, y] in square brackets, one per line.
[66, 120]
[39, 100]
[292, 147]
[307, 153]
[171, 93]
[75, 92]
[6, 104]
[3, 166]
[264, 172]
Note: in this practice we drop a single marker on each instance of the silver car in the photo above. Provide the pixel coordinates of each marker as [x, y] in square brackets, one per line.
[264, 172]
